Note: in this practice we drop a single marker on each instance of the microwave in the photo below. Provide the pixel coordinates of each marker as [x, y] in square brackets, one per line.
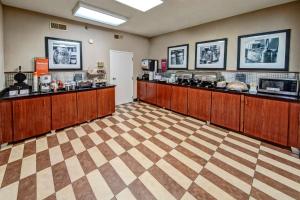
[279, 86]
[149, 65]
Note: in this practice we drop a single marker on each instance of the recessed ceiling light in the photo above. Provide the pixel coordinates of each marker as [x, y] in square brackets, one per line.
[99, 15]
[142, 5]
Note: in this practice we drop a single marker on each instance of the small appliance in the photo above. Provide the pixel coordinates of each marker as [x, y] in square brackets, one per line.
[145, 77]
[19, 88]
[149, 65]
[45, 83]
[279, 86]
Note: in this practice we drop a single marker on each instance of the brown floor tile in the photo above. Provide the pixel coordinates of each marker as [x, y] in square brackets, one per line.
[29, 149]
[87, 142]
[12, 173]
[132, 164]
[121, 141]
[106, 151]
[42, 160]
[113, 180]
[101, 124]
[60, 176]
[199, 193]
[52, 141]
[148, 153]
[87, 128]
[103, 135]
[71, 134]
[227, 187]
[140, 191]
[4, 156]
[160, 144]
[86, 162]
[27, 188]
[188, 172]
[174, 188]
[67, 150]
[82, 189]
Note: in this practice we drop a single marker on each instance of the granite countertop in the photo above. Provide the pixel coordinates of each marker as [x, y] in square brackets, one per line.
[36, 94]
[259, 94]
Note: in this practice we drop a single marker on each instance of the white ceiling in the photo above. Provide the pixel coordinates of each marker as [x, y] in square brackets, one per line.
[172, 15]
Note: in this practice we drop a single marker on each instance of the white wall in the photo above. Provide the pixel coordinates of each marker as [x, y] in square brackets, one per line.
[285, 16]
[25, 32]
[1, 50]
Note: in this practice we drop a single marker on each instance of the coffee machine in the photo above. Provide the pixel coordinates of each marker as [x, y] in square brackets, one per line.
[20, 87]
[45, 83]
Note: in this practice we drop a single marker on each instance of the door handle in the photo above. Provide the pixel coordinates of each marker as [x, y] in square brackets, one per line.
[114, 78]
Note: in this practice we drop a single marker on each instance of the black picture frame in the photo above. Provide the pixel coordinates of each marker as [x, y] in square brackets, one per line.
[187, 57]
[211, 41]
[286, 56]
[63, 40]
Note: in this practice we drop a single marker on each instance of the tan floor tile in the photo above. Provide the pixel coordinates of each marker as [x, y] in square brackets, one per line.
[74, 168]
[10, 192]
[28, 166]
[45, 185]
[66, 193]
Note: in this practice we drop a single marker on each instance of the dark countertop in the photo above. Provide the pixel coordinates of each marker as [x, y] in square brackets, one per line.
[37, 94]
[259, 94]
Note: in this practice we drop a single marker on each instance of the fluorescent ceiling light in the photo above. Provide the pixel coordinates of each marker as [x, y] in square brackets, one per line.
[99, 15]
[142, 5]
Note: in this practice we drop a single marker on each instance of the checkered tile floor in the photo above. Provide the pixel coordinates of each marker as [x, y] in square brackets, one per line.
[144, 152]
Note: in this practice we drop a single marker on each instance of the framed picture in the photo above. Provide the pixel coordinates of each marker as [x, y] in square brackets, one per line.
[178, 57]
[211, 55]
[63, 54]
[264, 51]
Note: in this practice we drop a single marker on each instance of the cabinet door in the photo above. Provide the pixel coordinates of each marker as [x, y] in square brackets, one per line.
[164, 93]
[226, 110]
[266, 119]
[6, 132]
[294, 125]
[141, 90]
[87, 106]
[32, 117]
[106, 101]
[199, 103]
[64, 110]
[179, 99]
[151, 93]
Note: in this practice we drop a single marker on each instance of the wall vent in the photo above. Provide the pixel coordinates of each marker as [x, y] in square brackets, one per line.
[58, 26]
[118, 36]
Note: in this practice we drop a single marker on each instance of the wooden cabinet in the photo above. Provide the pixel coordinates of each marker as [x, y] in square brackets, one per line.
[31, 117]
[266, 119]
[151, 93]
[294, 125]
[87, 106]
[179, 99]
[141, 90]
[199, 104]
[163, 95]
[6, 132]
[225, 110]
[106, 101]
[64, 110]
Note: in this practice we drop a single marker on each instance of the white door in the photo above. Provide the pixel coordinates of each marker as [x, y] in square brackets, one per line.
[121, 75]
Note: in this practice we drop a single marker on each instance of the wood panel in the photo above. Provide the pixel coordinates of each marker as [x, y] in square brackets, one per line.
[164, 94]
[6, 130]
[64, 110]
[294, 125]
[179, 99]
[199, 104]
[106, 101]
[141, 90]
[151, 93]
[226, 110]
[267, 119]
[87, 106]
[32, 117]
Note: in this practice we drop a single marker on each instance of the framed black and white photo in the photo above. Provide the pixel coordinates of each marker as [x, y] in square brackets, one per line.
[211, 55]
[264, 51]
[63, 54]
[178, 57]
